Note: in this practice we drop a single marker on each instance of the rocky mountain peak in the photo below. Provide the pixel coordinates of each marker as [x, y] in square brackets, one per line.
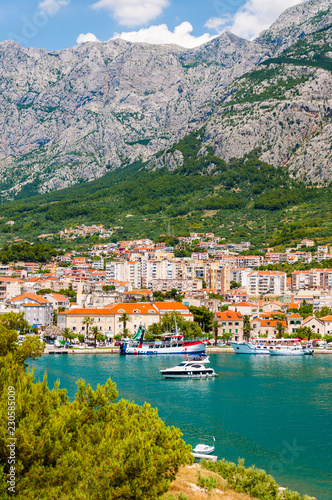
[296, 22]
[72, 115]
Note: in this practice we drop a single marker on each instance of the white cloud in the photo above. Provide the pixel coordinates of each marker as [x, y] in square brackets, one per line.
[254, 17]
[216, 23]
[51, 7]
[162, 35]
[86, 37]
[133, 12]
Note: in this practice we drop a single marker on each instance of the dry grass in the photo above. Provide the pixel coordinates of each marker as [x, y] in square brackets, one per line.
[209, 213]
[186, 483]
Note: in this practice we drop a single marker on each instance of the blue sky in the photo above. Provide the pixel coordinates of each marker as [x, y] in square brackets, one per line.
[58, 24]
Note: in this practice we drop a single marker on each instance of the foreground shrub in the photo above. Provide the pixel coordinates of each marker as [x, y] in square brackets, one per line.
[91, 448]
[254, 482]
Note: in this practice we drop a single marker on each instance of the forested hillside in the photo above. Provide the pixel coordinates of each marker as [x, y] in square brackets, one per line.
[232, 137]
[242, 199]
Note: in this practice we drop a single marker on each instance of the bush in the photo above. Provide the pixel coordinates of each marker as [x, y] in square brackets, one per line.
[208, 483]
[254, 482]
[92, 447]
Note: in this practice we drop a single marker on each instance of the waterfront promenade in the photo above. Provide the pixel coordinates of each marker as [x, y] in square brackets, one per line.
[115, 350]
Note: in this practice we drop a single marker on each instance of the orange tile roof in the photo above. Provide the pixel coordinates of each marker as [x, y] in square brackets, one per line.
[87, 312]
[269, 322]
[130, 308]
[244, 304]
[11, 280]
[31, 296]
[171, 305]
[138, 292]
[58, 296]
[229, 315]
[326, 318]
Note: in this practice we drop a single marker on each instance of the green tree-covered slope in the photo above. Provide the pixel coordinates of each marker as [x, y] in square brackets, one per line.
[242, 199]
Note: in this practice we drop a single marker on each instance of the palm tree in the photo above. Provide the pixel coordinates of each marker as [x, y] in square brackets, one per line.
[304, 332]
[215, 326]
[66, 333]
[95, 332]
[246, 327]
[88, 321]
[124, 318]
[280, 329]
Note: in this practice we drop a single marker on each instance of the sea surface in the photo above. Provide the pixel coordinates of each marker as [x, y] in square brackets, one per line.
[275, 412]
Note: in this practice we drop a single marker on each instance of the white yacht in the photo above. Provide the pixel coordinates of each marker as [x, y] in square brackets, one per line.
[189, 369]
[269, 346]
[260, 346]
[288, 350]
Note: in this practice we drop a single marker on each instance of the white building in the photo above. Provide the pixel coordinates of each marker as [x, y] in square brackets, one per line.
[10, 287]
[37, 310]
[267, 282]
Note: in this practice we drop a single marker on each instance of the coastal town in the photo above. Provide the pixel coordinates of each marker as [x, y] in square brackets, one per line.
[141, 281]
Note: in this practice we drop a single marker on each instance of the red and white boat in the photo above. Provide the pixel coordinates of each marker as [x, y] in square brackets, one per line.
[168, 343]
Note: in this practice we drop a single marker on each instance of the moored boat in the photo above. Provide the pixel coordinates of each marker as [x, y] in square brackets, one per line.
[189, 369]
[204, 448]
[268, 346]
[249, 348]
[287, 350]
[308, 350]
[169, 343]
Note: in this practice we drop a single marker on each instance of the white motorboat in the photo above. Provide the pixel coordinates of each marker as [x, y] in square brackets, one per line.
[205, 449]
[308, 350]
[189, 369]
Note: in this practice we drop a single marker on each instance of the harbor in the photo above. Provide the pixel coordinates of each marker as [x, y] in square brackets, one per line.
[50, 349]
[273, 412]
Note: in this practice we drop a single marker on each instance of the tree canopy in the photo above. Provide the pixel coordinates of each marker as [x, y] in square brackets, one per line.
[190, 329]
[202, 316]
[40, 252]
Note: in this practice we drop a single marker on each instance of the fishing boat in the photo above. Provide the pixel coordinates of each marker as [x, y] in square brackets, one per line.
[189, 369]
[168, 343]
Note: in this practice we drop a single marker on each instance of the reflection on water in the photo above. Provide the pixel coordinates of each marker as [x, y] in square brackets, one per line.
[274, 412]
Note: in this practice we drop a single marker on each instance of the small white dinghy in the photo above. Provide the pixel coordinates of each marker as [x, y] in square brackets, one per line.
[205, 449]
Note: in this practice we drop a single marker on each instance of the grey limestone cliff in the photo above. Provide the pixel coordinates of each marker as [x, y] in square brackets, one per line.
[73, 115]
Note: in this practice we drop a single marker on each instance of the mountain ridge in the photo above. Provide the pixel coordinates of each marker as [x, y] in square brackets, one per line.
[73, 115]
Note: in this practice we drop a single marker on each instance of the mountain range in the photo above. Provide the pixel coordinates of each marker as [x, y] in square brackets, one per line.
[78, 114]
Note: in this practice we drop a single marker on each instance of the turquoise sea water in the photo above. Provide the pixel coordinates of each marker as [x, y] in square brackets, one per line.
[274, 412]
